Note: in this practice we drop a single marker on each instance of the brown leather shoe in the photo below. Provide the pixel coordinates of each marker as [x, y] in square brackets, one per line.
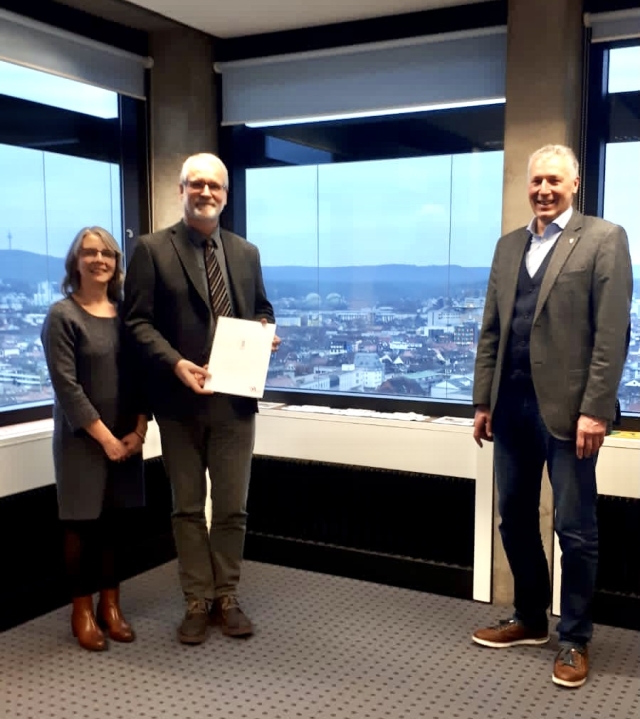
[227, 613]
[109, 616]
[193, 628]
[571, 667]
[85, 627]
[509, 633]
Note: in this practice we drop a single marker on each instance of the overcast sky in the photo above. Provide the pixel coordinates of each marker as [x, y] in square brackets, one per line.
[46, 198]
[423, 211]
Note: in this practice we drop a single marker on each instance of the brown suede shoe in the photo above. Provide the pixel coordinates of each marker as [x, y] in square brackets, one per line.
[227, 613]
[509, 633]
[193, 628]
[571, 667]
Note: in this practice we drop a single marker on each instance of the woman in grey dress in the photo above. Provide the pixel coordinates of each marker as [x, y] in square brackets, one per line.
[99, 427]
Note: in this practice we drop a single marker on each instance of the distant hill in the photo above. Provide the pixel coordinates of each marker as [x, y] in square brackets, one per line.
[31, 267]
[384, 283]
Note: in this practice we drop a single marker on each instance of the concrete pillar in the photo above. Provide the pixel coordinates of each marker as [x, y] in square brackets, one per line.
[183, 113]
[544, 100]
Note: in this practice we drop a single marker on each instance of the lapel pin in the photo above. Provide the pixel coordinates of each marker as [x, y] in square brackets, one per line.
[571, 240]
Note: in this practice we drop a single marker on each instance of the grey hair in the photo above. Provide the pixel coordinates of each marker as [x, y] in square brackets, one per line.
[557, 151]
[71, 281]
[184, 172]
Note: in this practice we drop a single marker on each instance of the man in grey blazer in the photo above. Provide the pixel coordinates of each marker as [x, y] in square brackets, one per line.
[179, 280]
[550, 357]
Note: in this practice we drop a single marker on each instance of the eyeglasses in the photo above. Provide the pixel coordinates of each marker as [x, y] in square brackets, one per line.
[92, 253]
[199, 185]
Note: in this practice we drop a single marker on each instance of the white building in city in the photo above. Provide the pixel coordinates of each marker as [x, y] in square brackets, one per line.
[369, 369]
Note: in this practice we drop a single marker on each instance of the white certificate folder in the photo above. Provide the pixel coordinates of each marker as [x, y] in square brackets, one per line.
[239, 359]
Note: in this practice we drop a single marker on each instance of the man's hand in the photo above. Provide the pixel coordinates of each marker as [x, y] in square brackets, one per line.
[590, 435]
[276, 340]
[133, 443]
[482, 425]
[192, 375]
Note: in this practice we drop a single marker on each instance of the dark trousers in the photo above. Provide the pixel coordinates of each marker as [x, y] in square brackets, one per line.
[222, 442]
[90, 553]
[522, 444]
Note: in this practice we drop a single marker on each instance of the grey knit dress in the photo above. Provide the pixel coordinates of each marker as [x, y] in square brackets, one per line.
[91, 378]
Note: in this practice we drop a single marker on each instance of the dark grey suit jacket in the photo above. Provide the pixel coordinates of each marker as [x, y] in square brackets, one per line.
[581, 324]
[167, 313]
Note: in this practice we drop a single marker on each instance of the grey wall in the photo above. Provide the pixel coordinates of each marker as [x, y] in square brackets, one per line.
[182, 108]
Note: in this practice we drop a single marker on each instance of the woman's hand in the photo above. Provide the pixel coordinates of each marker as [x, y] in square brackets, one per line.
[115, 449]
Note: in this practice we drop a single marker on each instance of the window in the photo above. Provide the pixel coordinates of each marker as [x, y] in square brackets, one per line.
[61, 148]
[376, 237]
[624, 70]
[617, 135]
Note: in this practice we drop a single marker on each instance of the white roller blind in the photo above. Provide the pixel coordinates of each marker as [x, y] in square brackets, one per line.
[33, 44]
[617, 25]
[434, 70]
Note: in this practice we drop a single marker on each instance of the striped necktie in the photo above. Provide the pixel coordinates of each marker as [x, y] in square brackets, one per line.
[220, 302]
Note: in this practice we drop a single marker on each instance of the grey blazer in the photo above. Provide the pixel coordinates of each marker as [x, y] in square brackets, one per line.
[167, 314]
[581, 324]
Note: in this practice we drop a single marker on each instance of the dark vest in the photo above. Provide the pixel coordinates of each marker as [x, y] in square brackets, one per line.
[518, 359]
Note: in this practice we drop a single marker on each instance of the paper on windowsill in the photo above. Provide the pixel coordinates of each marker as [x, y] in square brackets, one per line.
[239, 359]
[460, 421]
[322, 409]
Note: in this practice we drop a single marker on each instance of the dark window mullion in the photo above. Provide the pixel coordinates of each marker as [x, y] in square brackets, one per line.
[597, 131]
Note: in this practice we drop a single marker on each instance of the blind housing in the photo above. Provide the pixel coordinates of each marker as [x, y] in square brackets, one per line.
[42, 47]
[448, 69]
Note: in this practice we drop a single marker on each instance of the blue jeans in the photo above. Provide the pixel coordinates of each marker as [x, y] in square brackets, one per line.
[522, 444]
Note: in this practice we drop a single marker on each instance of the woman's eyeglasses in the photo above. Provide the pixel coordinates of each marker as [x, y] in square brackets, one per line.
[91, 253]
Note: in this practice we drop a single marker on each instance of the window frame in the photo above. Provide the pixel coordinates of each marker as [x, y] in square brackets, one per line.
[598, 133]
[134, 133]
[394, 27]
[234, 219]
[133, 162]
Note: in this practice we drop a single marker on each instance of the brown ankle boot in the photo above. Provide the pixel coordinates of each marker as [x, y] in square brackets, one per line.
[84, 626]
[110, 616]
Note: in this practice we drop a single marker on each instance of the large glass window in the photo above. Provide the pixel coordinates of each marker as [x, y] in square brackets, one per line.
[60, 150]
[619, 138]
[376, 240]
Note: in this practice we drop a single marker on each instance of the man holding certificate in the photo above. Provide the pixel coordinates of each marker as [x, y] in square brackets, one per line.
[181, 283]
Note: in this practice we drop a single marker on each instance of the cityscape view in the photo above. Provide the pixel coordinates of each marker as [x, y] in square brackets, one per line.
[377, 270]
[397, 328]
[418, 342]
